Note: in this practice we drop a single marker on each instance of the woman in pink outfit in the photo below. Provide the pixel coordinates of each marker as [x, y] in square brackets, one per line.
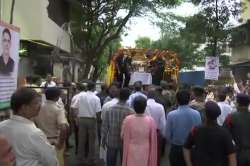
[139, 137]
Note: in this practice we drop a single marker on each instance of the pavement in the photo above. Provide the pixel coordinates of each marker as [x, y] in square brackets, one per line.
[70, 160]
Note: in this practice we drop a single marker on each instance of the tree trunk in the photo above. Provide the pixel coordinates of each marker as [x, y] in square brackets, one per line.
[96, 73]
[12, 11]
[215, 42]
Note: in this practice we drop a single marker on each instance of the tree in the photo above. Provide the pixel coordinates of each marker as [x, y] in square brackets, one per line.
[12, 11]
[171, 38]
[96, 23]
[211, 25]
[143, 42]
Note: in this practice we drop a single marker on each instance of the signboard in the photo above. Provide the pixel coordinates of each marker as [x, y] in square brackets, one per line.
[9, 58]
[212, 68]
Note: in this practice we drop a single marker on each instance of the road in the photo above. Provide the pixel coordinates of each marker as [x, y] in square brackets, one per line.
[71, 159]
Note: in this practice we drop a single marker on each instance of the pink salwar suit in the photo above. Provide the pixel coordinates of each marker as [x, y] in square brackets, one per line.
[139, 141]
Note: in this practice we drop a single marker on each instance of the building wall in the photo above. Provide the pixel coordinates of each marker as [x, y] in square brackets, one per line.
[32, 18]
[241, 54]
[246, 12]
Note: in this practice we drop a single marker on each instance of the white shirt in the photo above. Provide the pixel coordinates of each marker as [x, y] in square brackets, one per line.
[156, 111]
[51, 84]
[88, 105]
[107, 105]
[29, 143]
[133, 96]
[226, 109]
[74, 100]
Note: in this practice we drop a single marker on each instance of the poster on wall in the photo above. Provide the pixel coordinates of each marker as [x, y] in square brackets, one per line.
[9, 58]
[212, 68]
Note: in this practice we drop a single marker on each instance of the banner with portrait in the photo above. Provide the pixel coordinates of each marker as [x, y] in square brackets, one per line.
[212, 68]
[9, 58]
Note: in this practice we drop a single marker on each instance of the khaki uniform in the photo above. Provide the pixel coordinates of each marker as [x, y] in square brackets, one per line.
[49, 120]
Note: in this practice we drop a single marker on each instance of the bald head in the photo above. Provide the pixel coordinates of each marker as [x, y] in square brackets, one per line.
[7, 158]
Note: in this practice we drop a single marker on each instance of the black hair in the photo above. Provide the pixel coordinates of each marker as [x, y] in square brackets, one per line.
[6, 30]
[243, 100]
[22, 96]
[138, 86]
[221, 93]
[81, 87]
[90, 85]
[198, 91]
[52, 93]
[151, 94]
[104, 87]
[212, 110]
[183, 97]
[140, 104]
[124, 94]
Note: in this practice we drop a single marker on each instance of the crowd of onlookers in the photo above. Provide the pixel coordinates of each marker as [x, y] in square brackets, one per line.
[204, 126]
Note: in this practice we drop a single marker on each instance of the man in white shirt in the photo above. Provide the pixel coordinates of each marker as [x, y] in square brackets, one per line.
[89, 110]
[225, 108]
[73, 113]
[48, 83]
[156, 111]
[30, 144]
[138, 89]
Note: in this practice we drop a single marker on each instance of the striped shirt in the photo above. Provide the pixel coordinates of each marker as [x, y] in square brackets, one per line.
[112, 122]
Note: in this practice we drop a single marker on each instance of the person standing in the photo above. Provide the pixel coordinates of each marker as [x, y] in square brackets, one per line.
[89, 112]
[111, 127]
[138, 92]
[80, 88]
[179, 123]
[49, 82]
[123, 65]
[139, 137]
[238, 124]
[210, 144]
[156, 111]
[52, 121]
[29, 143]
[225, 108]
[199, 101]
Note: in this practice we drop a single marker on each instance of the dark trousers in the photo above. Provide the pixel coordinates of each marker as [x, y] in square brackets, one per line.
[243, 157]
[120, 78]
[112, 154]
[176, 156]
[87, 135]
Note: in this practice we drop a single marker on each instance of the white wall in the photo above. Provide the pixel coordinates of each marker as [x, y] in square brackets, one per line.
[32, 18]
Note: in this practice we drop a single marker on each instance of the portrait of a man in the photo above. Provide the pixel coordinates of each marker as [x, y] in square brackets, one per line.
[6, 62]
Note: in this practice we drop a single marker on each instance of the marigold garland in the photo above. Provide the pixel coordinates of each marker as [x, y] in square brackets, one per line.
[172, 63]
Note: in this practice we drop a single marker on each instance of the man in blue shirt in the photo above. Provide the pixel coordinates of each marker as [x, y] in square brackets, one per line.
[179, 124]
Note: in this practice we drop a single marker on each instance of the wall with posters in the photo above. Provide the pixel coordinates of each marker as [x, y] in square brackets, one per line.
[9, 59]
[35, 23]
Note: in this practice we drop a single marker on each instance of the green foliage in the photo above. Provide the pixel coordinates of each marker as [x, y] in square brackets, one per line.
[96, 23]
[211, 25]
[143, 42]
[187, 52]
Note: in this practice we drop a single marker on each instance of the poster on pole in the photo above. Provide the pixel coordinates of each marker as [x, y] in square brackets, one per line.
[9, 58]
[212, 68]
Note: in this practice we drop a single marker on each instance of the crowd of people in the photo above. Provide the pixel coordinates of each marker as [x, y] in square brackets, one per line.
[204, 126]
